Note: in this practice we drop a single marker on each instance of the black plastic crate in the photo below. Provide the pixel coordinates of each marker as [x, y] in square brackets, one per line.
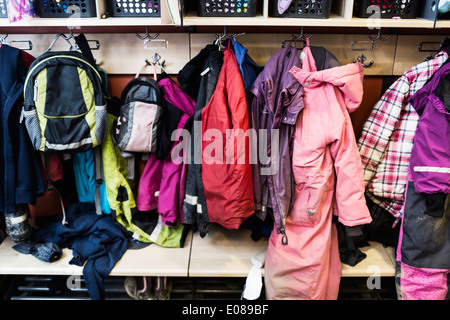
[428, 10]
[65, 8]
[226, 8]
[134, 8]
[3, 9]
[316, 9]
[405, 9]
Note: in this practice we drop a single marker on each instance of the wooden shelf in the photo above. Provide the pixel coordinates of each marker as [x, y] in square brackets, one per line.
[152, 260]
[82, 22]
[335, 20]
[221, 253]
[380, 261]
[227, 253]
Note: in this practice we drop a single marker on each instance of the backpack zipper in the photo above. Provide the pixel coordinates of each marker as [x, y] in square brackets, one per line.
[36, 84]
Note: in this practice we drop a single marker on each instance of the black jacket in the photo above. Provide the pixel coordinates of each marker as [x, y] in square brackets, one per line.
[198, 79]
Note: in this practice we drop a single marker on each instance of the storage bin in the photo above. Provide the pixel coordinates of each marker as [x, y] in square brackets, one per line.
[317, 9]
[226, 8]
[429, 7]
[405, 9]
[65, 8]
[134, 8]
[3, 9]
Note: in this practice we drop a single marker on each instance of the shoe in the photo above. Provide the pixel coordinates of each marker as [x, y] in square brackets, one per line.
[163, 288]
[17, 226]
[131, 287]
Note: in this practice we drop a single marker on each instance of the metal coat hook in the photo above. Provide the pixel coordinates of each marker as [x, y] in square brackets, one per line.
[361, 59]
[73, 47]
[157, 60]
[301, 36]
[234, 36]
[66, 38]
[224, 33]
[219, 39]
[147, 35]
[378, 37]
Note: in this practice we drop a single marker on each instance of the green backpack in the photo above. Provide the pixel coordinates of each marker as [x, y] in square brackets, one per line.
[64, 109]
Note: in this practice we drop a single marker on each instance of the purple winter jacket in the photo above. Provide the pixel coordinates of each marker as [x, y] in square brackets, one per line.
[429, 167]
[276, 103]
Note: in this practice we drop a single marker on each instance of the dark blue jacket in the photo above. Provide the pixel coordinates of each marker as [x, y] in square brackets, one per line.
[21, 177]
[248, 67]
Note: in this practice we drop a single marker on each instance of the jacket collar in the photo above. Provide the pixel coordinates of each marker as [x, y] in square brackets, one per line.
[274, 82]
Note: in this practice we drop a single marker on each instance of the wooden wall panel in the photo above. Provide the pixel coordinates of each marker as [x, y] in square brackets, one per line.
[263, 46]
[408, 54]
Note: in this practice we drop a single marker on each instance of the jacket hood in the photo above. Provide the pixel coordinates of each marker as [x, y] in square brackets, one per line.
[347, 78]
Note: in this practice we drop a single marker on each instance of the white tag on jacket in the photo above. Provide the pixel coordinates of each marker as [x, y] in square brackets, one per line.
[205, 71]
[253, 284]
[302, 56]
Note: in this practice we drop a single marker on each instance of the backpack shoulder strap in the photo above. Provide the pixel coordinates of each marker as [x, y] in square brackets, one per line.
[84, 47]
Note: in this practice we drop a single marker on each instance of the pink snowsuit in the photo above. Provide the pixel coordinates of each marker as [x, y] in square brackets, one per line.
[328, 181]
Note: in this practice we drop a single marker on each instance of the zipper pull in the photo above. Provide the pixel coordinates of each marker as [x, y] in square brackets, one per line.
[36, 84]
[284, 239]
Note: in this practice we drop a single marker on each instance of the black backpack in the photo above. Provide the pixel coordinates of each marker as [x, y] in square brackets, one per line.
[136, 129]
[64, 109]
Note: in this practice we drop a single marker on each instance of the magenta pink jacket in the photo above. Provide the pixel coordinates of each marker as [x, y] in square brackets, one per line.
[328, 181]
[162, 183]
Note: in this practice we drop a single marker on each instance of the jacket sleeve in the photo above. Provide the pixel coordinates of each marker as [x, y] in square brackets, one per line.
[168, 200]
[350, 204]
[149, 184]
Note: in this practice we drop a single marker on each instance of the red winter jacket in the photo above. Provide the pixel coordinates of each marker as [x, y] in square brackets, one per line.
[227, 172]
